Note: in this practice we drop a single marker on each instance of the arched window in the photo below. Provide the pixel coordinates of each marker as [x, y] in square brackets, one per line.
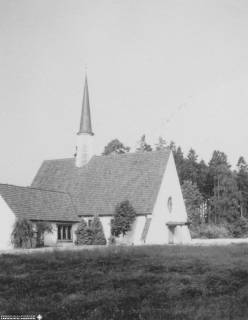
[169, 204]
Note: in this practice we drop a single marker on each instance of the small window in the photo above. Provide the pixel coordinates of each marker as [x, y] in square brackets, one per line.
[64, 232]
[169, 204]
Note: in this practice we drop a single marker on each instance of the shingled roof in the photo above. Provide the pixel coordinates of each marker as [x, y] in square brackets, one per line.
[105, 181]
[36, 204]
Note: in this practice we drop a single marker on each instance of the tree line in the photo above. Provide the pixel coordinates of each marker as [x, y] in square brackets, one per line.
[214, 193]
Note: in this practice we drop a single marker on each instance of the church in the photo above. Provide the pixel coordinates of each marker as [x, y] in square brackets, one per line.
[66, 190]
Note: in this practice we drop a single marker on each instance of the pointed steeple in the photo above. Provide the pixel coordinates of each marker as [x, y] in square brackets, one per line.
[85, 123]
[85, 136]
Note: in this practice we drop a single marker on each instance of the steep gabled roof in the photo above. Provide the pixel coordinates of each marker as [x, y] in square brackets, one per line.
[105, 181]
[36, 204]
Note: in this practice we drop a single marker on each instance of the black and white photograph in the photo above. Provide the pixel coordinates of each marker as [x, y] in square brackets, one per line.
[124, 160]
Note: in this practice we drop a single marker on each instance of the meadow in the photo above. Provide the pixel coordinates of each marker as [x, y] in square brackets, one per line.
[153, 282]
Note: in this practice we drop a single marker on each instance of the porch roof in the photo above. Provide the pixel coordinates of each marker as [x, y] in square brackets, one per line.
[177, 223]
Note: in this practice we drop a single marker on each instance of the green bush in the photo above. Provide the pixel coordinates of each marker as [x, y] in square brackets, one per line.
[23, 234]
[92, 235]
[124, 217]
[83, 233]
[239, 228]
[98, 234]
[210, 231]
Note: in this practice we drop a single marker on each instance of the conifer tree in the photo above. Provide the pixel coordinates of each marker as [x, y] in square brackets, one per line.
[97, 230]
[90, 235]
[193, 200]
[84, 235]
[123, 219]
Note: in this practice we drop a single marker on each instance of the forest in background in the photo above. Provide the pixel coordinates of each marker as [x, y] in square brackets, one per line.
[215, 195]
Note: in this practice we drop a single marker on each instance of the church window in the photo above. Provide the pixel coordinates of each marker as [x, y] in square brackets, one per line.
[64, 232]
[169, 204]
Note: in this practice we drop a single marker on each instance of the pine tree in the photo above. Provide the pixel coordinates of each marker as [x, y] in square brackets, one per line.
[124, 217]
[193, 201]
[97, 229]
[84, 234]
[225, 197]
[242, 180]
[190, 166]
[202, 180]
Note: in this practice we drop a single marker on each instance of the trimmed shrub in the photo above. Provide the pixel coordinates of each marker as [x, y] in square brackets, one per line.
[23, 234]
[90, 235]
[124, 217]
[84, 236]
[98, 234]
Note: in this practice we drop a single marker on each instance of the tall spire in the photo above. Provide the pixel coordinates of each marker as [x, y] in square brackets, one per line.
[85, 123]
[85, 136]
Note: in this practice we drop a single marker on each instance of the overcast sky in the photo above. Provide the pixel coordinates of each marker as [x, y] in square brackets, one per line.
[173, 68]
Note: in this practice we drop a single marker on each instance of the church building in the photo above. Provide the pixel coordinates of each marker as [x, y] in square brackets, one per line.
[66, 190]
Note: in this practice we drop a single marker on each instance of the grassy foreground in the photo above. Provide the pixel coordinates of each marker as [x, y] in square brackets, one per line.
[156, 282]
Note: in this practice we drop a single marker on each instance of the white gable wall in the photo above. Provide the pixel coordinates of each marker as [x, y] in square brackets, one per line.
[170, 187]
[7, 224]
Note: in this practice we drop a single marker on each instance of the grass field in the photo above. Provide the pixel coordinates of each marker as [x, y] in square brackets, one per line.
[155, 282]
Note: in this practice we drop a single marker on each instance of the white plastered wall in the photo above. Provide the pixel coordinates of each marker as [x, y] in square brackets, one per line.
[7, 222]
[134, 235]
[50, 238]
[158, 232]
[106, 224]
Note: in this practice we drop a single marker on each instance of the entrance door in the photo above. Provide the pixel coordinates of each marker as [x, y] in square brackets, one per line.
[171, 234]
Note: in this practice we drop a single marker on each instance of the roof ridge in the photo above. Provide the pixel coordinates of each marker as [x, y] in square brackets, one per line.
[116, 154]
[33, 188]
[60, 159]
[134, 153]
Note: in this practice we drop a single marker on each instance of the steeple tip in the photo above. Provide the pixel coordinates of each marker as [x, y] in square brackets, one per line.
[85, 122]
